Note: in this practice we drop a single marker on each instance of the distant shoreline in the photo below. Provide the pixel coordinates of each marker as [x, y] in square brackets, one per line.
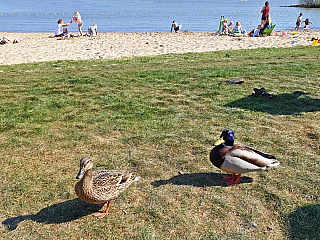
[303, 6]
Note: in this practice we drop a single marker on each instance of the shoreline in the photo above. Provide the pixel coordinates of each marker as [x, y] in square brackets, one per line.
[42, 47]
[303, 6]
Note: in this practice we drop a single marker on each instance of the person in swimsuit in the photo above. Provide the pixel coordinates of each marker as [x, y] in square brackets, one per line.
[298, 23]
[265, 11]
[77, 19]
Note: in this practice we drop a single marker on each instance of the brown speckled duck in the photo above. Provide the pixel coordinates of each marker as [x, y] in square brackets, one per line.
[100, 187]
[238, 159]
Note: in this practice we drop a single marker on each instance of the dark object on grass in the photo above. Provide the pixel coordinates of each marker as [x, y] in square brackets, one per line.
[236, 81]
[261, 93]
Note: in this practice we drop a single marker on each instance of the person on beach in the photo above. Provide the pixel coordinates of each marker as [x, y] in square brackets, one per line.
[306, 23]
[265, 11]
[175, 27]
[238, 28]
[6, 40]
[225, 28]
[93, 30]
[255, 32]
[268, 24]
[230, 27]
[298, 23]
[61, 31]
[77, 20]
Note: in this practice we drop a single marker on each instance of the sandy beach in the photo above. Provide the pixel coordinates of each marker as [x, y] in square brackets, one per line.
[40, 47]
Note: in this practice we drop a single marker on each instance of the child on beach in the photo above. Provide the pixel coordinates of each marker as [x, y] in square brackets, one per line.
[298, 23]
[225, 28]
[61, 31]
[175, 27]
[93, 30]
[307, 23]
[238, 28]
[77, 19]
[230, 26]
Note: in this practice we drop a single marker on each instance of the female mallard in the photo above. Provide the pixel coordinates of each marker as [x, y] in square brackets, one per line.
[238, 159]
[100, 187]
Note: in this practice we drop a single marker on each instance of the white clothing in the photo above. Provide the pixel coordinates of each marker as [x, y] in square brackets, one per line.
[256, 32]
[59, 29]
[92, 31]
[175, 25]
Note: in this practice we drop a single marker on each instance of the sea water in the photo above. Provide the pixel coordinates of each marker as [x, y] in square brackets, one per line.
[148, 15]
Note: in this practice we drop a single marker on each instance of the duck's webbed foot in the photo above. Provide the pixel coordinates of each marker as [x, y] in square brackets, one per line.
[102, 213]
[231, 180]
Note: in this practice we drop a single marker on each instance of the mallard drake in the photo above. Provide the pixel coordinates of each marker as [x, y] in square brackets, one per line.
[100, 187]
[238, 159]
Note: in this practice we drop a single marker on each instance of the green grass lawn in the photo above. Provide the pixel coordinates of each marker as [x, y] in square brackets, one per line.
[161, 115]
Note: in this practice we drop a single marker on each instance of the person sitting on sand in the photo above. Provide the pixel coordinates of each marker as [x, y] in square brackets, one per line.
[238, 28]
[93, 30]
[298, 23]
[175, 27]
[307, 23]
[61, 31]
[6, 40]
[225, 28]
[255, 31]
[230, 27]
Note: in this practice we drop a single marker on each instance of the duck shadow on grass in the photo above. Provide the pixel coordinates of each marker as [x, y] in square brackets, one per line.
[55, 214]
[198, 180]
[282, 104]
[304, 222]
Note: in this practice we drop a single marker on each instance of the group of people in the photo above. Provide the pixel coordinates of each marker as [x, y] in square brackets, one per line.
[62, 31]
[229, 29]
[226, 28]
[265, 23]
[299, 22]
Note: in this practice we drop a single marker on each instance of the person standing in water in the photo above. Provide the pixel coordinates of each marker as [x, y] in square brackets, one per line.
[298, 22]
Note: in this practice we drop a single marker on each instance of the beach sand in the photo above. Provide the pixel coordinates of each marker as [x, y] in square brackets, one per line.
[40, 47]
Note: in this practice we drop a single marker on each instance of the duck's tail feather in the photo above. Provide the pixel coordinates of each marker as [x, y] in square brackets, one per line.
[274, 164]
